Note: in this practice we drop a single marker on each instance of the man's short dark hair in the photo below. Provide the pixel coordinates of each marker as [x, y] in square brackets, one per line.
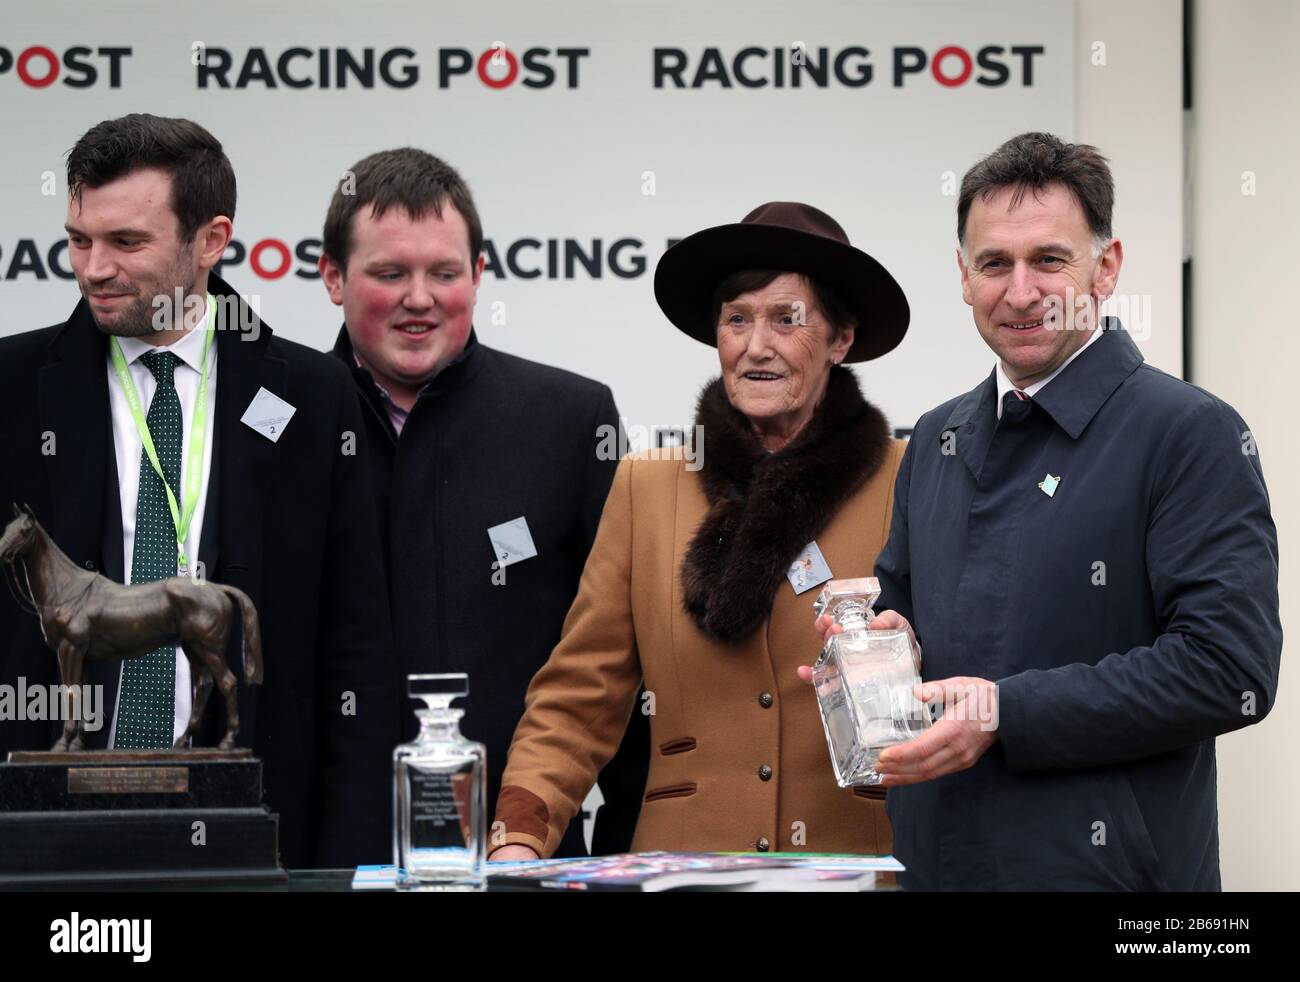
[1032, 161]
[407, 178]
[203, 182]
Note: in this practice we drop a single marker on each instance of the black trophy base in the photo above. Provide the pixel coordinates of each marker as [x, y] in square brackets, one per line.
[136, 820]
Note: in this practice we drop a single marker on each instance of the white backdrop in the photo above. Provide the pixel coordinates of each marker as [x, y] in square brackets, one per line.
[574, 159]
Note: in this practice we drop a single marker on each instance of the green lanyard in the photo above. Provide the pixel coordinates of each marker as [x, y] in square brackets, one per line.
[193, 475]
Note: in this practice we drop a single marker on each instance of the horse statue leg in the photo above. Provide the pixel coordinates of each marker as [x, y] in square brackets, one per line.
[226, 682]
[208, 663]
[251, 648]
[201, 673]
[70, 661]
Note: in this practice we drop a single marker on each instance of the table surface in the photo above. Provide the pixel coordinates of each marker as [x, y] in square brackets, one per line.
[297, 881]
[340, 880]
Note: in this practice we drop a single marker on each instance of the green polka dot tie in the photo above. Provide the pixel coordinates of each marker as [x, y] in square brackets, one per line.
[148, 701]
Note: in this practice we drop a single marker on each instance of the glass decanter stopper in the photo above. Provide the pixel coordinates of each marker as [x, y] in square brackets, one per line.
[439, 794]
[864, 681]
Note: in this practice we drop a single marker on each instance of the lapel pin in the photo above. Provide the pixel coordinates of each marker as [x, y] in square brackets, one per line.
[1048, 485]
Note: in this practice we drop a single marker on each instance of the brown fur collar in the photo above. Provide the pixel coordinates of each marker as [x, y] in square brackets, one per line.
[764, 508]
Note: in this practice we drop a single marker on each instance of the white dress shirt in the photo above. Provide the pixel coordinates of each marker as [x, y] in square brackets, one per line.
[128, 448]
[1004, 383]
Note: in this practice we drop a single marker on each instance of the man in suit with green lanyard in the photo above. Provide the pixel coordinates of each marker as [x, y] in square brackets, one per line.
[163, 429]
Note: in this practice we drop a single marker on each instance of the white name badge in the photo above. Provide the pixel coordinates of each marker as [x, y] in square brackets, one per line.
[809, 569]
[512, 542]
[268, 414]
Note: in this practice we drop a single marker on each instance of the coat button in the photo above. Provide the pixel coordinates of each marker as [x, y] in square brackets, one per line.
[762, 845]
[765, 773]
[765, 700]
[90, 564]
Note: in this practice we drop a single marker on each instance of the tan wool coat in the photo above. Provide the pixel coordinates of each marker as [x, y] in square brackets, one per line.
[739, 760]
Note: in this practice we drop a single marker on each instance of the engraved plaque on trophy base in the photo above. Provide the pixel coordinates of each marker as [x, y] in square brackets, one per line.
[140, 817]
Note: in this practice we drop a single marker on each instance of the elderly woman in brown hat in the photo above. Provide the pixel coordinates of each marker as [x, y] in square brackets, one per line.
[701, 582]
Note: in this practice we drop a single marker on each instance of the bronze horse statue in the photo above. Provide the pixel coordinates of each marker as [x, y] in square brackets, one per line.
[85, 615]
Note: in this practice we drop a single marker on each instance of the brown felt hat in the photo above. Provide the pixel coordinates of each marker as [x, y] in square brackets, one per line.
[787, 236]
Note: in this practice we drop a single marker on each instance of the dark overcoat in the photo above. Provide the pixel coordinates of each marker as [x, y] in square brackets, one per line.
[291, 523]
[1129, 618]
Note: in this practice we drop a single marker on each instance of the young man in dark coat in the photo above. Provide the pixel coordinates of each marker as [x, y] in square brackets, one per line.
[286, 515]
[1084, 548]
[490, 470]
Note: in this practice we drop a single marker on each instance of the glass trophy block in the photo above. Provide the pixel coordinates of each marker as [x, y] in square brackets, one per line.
[864, 681]
[439, 794]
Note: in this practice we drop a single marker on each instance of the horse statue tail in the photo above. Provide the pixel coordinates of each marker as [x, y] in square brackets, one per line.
[252, 633]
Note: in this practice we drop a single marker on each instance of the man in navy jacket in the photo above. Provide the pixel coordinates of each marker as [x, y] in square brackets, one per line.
[1084, 548]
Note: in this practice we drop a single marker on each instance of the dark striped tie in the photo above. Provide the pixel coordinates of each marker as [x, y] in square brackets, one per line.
[148, 701]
